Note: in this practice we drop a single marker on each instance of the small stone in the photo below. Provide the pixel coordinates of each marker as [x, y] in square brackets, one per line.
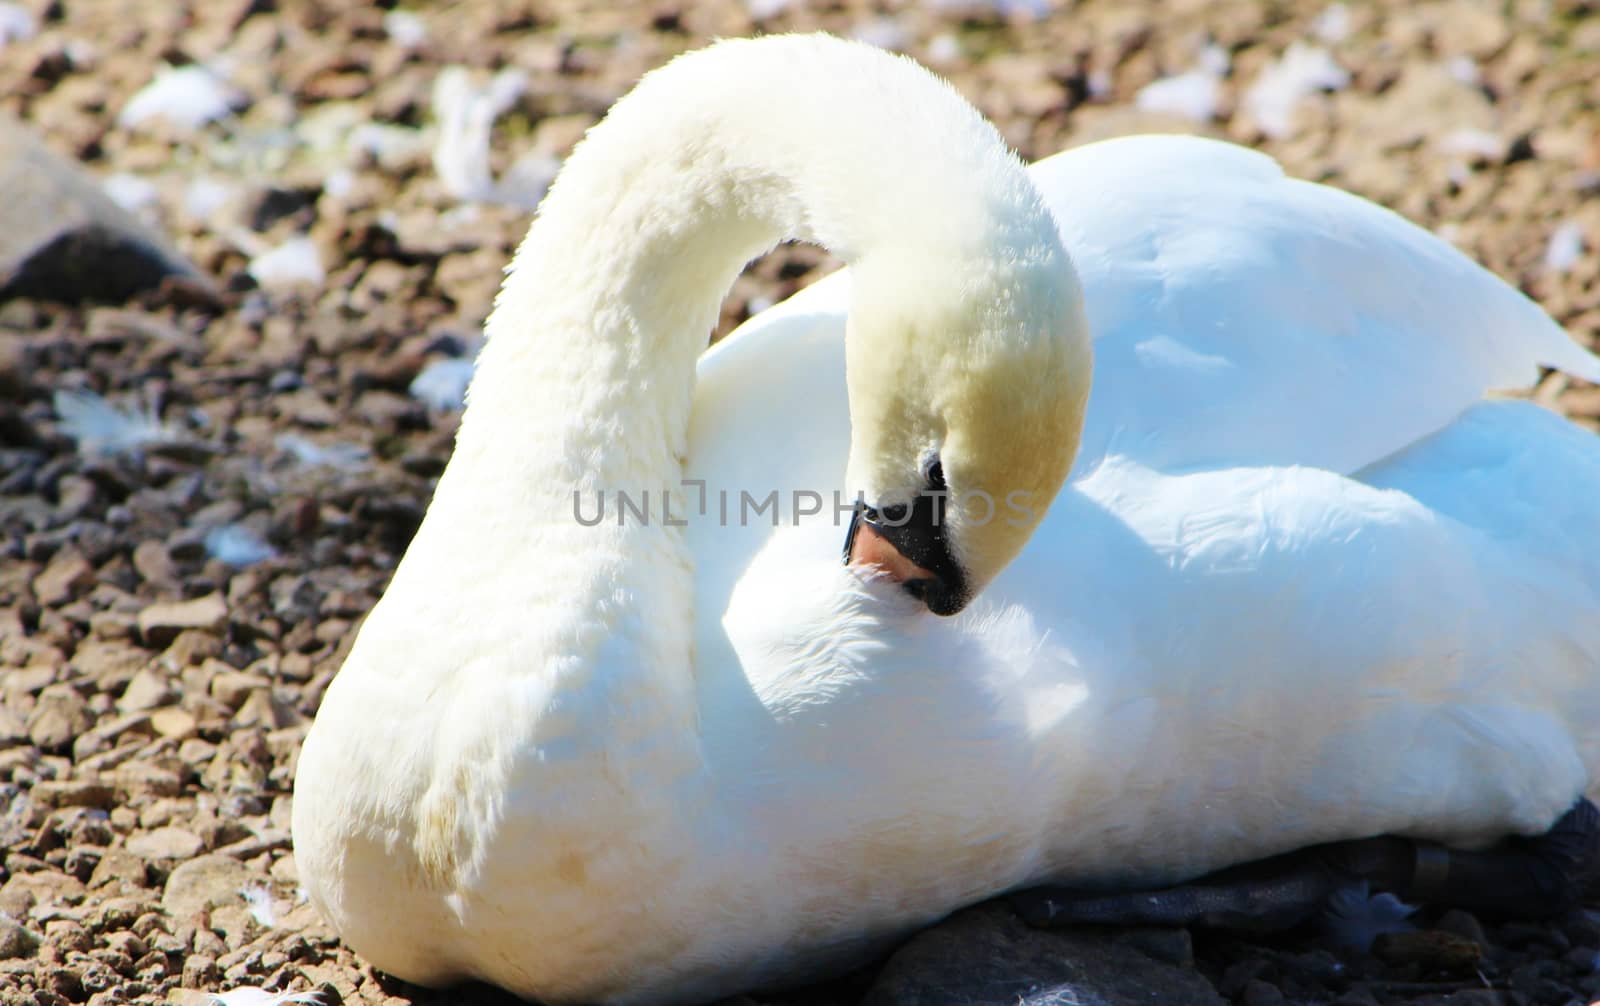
[154, 564]
[285, 871]
[166, 843]
[143, 779]
[126, 943]
[67, 576]
[1171, 946]
[161, 623]
[1462, 924]
[200, 971]
[209, 943]
[68, 935]
[118, 866]
[986, 955]
[111, 665]
[149, 689]
[232, 688]
[43, 886]
[1259, 993]
[81, 792]
[236, 923]
[59, 717]
[29, 680]
[262, 709]
[16, 941]
[192, 647]
[1429, 949]
[179, 724]
[202, 883]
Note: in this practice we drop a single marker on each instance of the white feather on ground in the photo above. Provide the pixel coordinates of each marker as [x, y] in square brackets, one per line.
[1565, 247]
[292, 263]
[131, 192]
[1333, 24]
[247, 995]
[884, 32]
[16, 23]
[345, 457]
[442, 384]
[186, 96]
[1355, 917]
[1274, 99]
[527, 180]
[259, 900]
[405, 28]
[204, 197]
[237, 546]
[1194, 94]
[466, 114]
[100, 427]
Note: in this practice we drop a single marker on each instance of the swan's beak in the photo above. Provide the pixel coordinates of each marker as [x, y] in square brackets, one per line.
[913, 551]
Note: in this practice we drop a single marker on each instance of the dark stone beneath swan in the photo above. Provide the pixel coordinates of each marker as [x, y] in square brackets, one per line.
[987, 955]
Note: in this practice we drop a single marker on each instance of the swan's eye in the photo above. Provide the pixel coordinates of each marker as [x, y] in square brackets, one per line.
[935, 475]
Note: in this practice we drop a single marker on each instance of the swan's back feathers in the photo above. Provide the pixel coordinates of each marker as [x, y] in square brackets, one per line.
[1243, 317]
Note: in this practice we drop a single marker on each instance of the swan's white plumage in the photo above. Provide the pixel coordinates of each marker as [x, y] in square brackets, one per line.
[1304, 584]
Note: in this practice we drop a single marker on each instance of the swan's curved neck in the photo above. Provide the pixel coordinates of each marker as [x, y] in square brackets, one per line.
[587, 376]
[586, 381]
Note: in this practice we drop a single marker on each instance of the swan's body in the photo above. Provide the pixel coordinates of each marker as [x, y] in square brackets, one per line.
[1302, 585]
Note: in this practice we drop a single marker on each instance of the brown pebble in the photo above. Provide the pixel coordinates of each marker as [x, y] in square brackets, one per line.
[67, 576]
[161, 623]
[166, 843]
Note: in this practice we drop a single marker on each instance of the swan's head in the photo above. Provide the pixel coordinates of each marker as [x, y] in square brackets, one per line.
[967, 384]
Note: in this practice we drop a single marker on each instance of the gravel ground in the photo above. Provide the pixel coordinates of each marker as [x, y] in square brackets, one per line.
[200, 499]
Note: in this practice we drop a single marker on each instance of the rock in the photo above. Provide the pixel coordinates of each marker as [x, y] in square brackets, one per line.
[192, 647]
[1432, 950]
[263, 709]
[42, 887]
[15, 941]
[166, 843]
[154, 565]
[80, 792]
[119, 866]
[62, 237]
[1260, 993]
[986, 955]
[68, 575]
[285, 871]
[200, 970]
[13, 728]
[161, 623]
[60, 716]
[1464, 925]
[203, 883]
[111, 665]
[232, 688]
[178, 724]
[1171, 946]
[149, 689]
[143, 779]
[96, 744]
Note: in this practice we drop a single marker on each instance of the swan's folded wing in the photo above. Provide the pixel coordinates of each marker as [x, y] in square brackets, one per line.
[1242, 317]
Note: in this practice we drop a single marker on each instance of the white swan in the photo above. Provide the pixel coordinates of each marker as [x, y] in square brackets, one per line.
[1302, 585]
